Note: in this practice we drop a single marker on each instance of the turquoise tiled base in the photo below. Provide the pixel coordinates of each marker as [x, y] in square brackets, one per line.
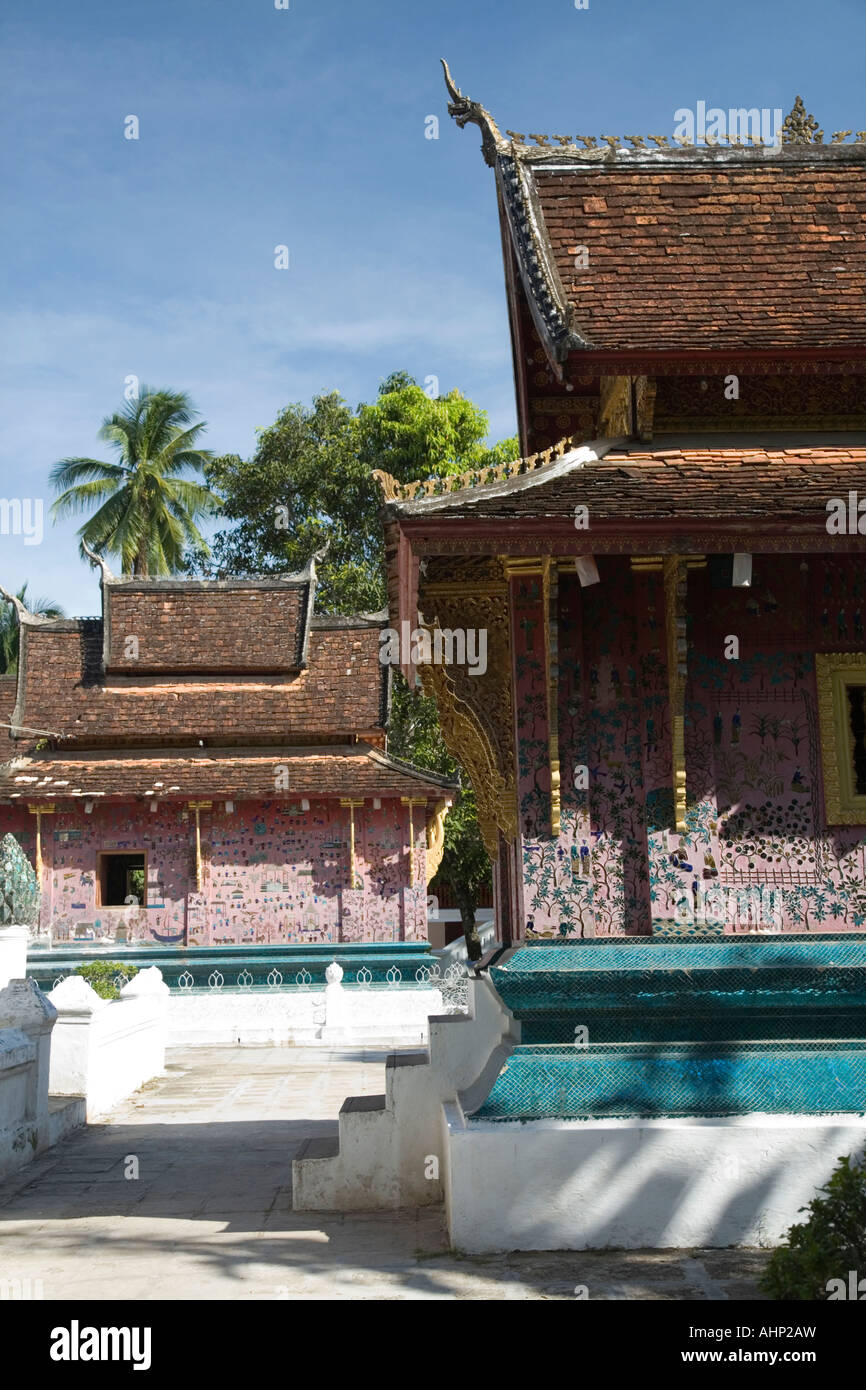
[687, 1026]
[575, 1083]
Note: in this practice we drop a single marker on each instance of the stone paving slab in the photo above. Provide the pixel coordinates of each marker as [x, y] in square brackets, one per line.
[210, 1216]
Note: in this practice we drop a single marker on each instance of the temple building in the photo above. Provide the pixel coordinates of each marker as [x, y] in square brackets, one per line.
[670, 734]
[206, 764]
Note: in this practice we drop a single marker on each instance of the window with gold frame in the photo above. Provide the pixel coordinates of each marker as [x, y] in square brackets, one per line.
[841, 678]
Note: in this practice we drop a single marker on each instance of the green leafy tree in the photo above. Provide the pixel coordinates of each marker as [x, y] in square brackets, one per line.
[103, 976]
[465, 866]
[829, 1243]
[310, 481]
[148, 502]
[10, 631]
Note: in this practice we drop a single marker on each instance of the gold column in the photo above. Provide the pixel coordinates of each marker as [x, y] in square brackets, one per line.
[40, 809]
[550, 592]
[675, 572]
[346, 801]
[198, 807]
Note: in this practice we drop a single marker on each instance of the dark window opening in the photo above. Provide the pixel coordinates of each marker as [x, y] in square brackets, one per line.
[122, 876]
[857, 720]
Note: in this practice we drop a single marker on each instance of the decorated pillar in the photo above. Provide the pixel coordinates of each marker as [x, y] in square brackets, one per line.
[198, 807]
[354, 880]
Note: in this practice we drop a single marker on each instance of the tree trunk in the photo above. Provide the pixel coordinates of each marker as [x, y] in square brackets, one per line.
[470, 930]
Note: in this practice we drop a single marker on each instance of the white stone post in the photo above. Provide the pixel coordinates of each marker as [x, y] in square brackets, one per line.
[149, 987]
[13, 953]
[26, 1020]
[77, 1005]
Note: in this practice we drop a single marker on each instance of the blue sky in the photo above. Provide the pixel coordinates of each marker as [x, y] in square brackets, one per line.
[306, 127]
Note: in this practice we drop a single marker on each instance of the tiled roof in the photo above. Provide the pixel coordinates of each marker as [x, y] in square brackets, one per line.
[342, 690]
[646, 247]
[752, 255]
[618, 482]
[193, 625]
[265, 773]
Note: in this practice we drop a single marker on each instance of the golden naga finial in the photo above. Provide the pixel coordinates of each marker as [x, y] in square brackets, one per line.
[391, 489]
[466, 112]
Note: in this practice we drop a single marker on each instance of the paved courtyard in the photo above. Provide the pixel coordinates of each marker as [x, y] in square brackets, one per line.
[209, 1215]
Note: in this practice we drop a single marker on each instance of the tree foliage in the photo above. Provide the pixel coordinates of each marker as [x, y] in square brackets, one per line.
[148, 503]
[310, 481]
[828, 1244]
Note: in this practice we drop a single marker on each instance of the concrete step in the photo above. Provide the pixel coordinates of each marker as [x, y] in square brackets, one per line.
[65, 1113]
[353, 1105]
[327, 1146]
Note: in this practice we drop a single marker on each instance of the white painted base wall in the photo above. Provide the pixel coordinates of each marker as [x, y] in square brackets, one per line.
[559, 1184]
[13, 953]
[578, 1185]
[333, 1017]
[105, 1050]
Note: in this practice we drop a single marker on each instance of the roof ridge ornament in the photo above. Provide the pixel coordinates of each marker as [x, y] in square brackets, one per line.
[394, 491]
[97, 560]
[466, 112]
[798, 128]
[24, 614]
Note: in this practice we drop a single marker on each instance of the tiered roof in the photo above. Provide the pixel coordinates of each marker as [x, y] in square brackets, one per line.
[619, 480]
[268, 774]
[199, 688]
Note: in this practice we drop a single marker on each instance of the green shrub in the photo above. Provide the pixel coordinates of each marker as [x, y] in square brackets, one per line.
[101, 974]
[826, 1246]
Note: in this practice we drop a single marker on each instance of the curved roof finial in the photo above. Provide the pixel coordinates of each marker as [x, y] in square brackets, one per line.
[16, 603]
[466, 112]
[95, 560]
[24, 614]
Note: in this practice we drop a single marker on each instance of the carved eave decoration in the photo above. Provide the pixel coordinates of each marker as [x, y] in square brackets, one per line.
[580, 452]
[476, 711]
[436, 839]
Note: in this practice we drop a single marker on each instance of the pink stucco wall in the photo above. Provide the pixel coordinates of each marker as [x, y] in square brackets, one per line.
[756, 824]
[272, 872]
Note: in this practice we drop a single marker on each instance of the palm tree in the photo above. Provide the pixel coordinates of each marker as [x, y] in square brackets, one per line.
[149, 509]
[10, 630]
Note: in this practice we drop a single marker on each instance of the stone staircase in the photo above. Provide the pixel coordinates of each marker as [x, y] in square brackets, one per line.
[391, 1150]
